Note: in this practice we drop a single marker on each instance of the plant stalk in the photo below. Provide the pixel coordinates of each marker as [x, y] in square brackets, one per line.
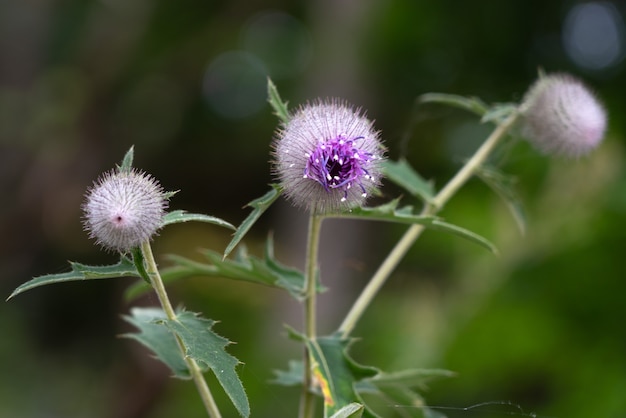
[196, 374]
[307, 399]
[414, 231]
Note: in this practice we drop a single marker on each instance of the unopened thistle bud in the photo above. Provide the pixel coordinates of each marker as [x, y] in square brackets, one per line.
[328, 156]
[560, 116]
[123, 209]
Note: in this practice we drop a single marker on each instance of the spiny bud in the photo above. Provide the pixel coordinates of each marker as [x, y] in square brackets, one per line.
[328, 156]
[123, 209]
[560, 116]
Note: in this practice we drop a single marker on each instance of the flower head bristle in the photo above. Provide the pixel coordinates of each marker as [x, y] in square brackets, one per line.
[123, 209]
[560, 116]
[327, 157]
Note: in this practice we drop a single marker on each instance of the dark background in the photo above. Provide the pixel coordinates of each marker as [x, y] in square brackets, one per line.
[539, 327]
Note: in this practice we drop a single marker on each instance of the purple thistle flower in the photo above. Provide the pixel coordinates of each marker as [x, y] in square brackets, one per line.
[123, 209]
[562, 117]
[327, 157]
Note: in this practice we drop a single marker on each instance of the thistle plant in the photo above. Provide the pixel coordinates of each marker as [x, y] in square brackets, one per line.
[328, 158]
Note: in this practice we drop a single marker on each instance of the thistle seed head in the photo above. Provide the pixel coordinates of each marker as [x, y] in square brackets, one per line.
[123, 209]
[560, 116]
[327, 157]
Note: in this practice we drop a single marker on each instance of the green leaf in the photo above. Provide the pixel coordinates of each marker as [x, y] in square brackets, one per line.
[403, 175]
[389, 212]
[178, 216]
[399, 388]
[169, 195]
[496, 113]
[290, 377]
[139, 263]
[168, 275]
[259, 206]
[504, 186]
[124, 268]
[280, 107]
[499, 112]
[336, 373]
[288, 278]
[207, 349]
[413, 378]
[354, 410]
[127, 162]
[266, 271]
[439, 225]
[158, 338]
[471, 104]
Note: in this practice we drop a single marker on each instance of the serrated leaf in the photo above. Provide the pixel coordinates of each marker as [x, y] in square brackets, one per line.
[471, 104]
[401, 173]
[336, 373]
[389, 212]
[266, 271]
[127, 161]
[401, 388]
[179, 216]
[168, 275]
[397, 388]
[259, 206]
[288, 278]
[280, 107]
[124, 268]
[207, 349]
[154, 335]
[354, 410]
[504, 186]
[290, 377]
[413, 378]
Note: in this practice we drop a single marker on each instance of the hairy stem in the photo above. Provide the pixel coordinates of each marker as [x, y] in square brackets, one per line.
[413, 232]
[307, 400]
[196, 374]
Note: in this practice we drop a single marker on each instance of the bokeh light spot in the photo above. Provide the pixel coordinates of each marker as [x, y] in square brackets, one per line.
[235, 84]
[593, 35]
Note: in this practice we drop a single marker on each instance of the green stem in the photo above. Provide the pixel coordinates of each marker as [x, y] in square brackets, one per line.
[307, 399]
[409, 237]
[194, 370]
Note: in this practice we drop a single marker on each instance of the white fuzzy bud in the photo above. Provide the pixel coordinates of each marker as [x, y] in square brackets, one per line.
[560, 116]
[123, 209]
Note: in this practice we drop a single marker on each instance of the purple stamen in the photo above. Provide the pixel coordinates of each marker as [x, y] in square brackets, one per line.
[337, 164]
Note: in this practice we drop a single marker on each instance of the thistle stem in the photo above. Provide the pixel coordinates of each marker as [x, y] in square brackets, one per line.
[307, 399]
[413, 232]
[194, 370]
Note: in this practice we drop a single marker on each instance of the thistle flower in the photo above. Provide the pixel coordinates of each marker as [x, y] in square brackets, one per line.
[327, 157]
[123, 209]
[562, 117]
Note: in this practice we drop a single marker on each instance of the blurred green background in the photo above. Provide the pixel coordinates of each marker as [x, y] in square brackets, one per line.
[540, 327]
